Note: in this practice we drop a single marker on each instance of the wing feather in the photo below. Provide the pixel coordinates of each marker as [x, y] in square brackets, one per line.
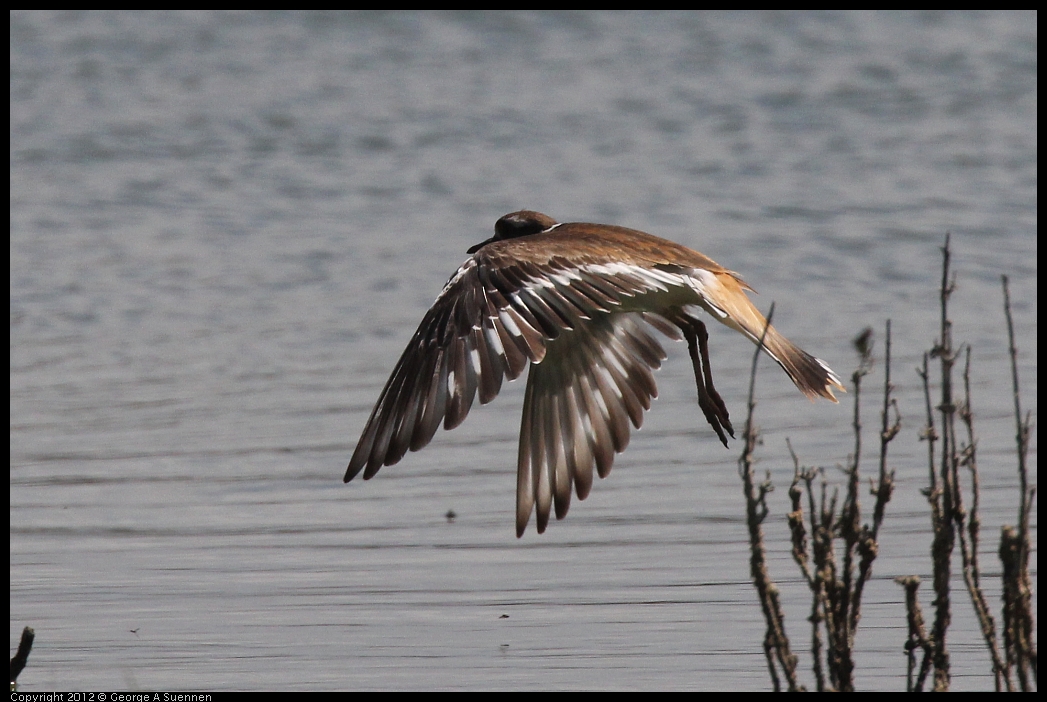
[578, 406]
[496, 315]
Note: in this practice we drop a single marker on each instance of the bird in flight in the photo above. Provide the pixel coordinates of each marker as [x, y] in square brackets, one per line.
[579, 302]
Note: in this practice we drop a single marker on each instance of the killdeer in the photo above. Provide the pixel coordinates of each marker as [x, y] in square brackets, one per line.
[579, 302]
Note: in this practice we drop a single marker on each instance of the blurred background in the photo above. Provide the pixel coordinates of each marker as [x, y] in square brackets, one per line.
[226, 226]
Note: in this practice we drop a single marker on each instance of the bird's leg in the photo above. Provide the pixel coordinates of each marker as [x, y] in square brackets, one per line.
[710, 402]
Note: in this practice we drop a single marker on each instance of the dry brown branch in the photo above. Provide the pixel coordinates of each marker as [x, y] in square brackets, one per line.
[969, 537]
[946, 497]
[917, 638]
[837, 587]
[884, 487]
[776, 642]
[22, 656]
[1018, 625]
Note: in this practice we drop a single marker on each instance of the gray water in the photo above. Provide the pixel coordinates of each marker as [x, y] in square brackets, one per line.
[225, 227]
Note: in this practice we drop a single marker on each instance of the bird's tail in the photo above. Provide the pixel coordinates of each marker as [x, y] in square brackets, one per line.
[811, 375]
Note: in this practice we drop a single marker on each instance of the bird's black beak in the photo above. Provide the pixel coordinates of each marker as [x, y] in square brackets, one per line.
[474, 249]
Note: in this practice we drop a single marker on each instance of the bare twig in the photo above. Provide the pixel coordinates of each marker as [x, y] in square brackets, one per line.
[814, 576]
[865, 539]
[969, 538]
[944, 535]
[836, 590]
[776, 642]
[1024, 427]
[884, 487]
[1020, 649]
[917, 634]
[19, 661]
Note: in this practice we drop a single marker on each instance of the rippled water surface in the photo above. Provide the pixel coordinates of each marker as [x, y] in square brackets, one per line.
[225, 227]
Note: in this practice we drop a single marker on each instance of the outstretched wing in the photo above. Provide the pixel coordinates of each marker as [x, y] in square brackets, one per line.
[494, 315]
[467, 342]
